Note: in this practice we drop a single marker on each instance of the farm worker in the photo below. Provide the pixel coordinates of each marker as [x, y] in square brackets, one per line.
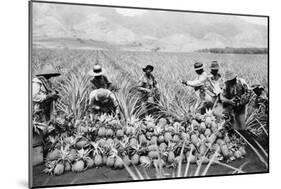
[235, 97]
[99, 79]
[148, 85]
[260, 99]
[216, 80]
[44, 95]
[200, 86]
[103, 101]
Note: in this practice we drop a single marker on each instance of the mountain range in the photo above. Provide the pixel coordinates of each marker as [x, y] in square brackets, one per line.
[68, 26]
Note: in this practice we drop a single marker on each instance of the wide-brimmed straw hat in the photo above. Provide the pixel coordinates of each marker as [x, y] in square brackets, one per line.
[97, 71]
[214, 65]
[148, 67]
[198, 66]
[49, 71]
[229, 75]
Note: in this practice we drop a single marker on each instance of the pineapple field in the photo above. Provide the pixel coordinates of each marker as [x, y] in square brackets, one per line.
[174, 142]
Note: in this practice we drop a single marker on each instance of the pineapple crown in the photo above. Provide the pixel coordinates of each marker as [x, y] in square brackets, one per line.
[149, 119]
[64, 153]
[97, 150]
[83, 154]
[133, 121]
[50, 166]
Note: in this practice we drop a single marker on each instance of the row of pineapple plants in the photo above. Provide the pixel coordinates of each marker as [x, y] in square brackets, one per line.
[106, 142]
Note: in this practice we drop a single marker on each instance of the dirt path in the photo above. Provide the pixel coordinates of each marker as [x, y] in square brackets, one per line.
[104, 174]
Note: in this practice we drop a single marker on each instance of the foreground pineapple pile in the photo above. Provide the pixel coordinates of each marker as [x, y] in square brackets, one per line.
[77, 145]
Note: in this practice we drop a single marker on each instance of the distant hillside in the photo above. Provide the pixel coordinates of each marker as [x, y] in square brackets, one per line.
[164, 31]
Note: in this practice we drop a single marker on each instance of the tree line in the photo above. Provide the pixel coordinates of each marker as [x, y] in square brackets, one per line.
[230, 50]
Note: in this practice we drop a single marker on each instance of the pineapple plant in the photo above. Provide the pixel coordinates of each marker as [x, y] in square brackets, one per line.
[118, 164]
[58, 166]
[225, 151]
[135, 157]
[97, 154]
[102, 131]
[153, 154]
[162, 122]
[153, 140]
[102, 142]
[171, 157]
[81, 141]
[208, 121]
[79, 164]
[161, 139]
[202, 127]
[185, 136]
[110, 161]
[133, 142]
[109, 132]
[119, 133]
[59, 169]
[194, 139]
[112, 156]
[129, 130]
[126, 159]
[176, 138]
[150, 126]
[170, 152]
[191, 157]
[53, 155]
[207, 132]
[70, 140]
[149, 120]
[142, 139]
[145, 161]
[67, 166]
[163, 146]
[168, 137]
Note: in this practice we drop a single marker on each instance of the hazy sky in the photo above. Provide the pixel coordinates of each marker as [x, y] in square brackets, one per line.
[255, 20]
[134, 12]
[130, 12]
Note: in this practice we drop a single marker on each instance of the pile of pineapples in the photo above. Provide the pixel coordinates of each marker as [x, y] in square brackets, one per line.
[78, 145]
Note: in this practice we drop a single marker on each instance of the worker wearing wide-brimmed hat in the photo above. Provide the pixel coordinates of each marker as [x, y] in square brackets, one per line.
[147, 80]
[148, 85]
[99, 79]
[201, 78]
[216, 80]
[235, 97]
[43, 94]
[200, 86]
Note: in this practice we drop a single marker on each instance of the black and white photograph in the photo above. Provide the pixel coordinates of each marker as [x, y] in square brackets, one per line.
[124, 94]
